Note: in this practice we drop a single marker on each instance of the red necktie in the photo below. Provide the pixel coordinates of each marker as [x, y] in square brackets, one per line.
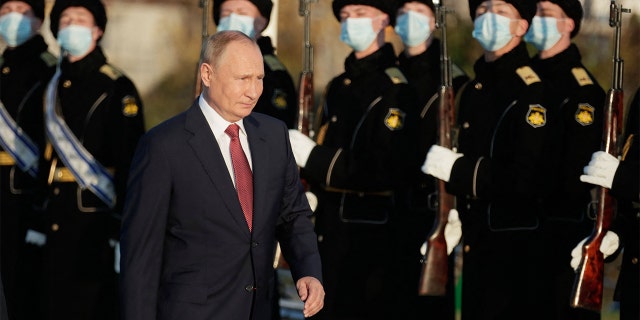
[242, 172]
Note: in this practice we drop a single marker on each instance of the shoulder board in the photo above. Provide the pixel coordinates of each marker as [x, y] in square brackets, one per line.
[111, 72]
[582, 77]
[457, 71]
[527, 75]
[49, 59]
[273, 63]
[395, 75]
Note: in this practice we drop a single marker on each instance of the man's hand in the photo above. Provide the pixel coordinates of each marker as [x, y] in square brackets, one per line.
[301, 146]
[439, 162]
[601, 169]
[452, 233]
[311, 293]
[609, 245]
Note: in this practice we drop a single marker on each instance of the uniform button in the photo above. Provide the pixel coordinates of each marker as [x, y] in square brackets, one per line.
[320, 238]
[55, 227]
[634, 260]
[249, 288]
[6, 70]
[467, 248]
[66, 83]
[334, 119]
[347, 81]
[254, 244]
[56, 191]
[465, 125]
[478, 86]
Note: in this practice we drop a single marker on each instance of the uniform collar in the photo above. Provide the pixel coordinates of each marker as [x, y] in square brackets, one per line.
[380, 60]
[506, 64]
[560, 62]
[26, 51]
[266, 47]
[89, 64]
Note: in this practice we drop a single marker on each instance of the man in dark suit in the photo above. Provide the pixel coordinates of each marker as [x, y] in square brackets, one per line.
[191, 248]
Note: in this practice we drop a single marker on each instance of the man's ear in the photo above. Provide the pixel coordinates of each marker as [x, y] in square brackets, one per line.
[259, 24]
[569, 25]
[206, 74]
[521, 28]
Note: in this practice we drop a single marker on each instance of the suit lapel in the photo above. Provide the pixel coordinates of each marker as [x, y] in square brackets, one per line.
[206, 148]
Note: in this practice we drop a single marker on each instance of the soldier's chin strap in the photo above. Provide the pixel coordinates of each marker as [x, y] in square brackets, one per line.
[89, 173]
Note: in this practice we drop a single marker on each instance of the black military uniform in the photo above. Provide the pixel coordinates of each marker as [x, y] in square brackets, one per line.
[365, 154]
[279, 97]
[412, 228]
[499, 183]
[626, 189]
[575, 96]
[102, 109]
[25, 72]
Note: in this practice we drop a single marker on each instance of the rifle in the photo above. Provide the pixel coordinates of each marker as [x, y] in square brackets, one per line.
[587, 286]
[204, 4]
[435, 264]
[305, 90]
[305, 97]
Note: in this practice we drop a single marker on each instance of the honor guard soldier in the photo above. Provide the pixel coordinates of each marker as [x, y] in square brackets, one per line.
[622, 177]
[499, 170]
[26, 67]
[94, 120]
[364, 157]
[251, 17]
[420, 61]
[572, 92]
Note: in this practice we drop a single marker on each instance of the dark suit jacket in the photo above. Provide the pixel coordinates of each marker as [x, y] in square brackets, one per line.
[187, 252]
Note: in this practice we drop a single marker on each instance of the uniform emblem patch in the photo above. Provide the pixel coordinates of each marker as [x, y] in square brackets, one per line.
[279, 99]
[584, 114]
[537, 115]
[129, 106]
[394, 119]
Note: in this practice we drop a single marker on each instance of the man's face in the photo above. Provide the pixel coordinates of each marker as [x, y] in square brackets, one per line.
[498, 7]
[16, 6]
[244, 8]
[235, 82]
[359, 11]
[79, 16]
[420, 8]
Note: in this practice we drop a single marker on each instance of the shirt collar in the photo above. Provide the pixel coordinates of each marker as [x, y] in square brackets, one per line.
[217, 124]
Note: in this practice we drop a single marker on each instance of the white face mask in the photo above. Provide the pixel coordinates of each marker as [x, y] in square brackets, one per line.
[238, 22]
[492, 31]
[76, 40]
[15, 28]
[414, 28]
[358, 33]
[543, 33]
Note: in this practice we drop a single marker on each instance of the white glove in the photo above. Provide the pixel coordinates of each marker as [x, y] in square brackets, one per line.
[601, 169]
[312, 199]
[301, 146]
[35, 238]
[116, 254]
[453, 230]
[439, 162]
[452, 233]
[609, 245]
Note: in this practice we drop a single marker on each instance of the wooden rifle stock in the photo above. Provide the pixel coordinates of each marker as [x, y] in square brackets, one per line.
[587, 287]
[305, 103]
[204, 4]
[435, 264]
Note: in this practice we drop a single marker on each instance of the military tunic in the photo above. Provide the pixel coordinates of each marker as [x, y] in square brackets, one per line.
[365, 153]
[279, 98]
[574, 94]
[24, 73]
[102, 108]
[626, 189]
[498, 183]
[413, 225]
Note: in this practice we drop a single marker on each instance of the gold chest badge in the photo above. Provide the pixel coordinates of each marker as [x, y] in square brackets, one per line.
[129, 106]
[536, 116]
[394, 120]
[584, 114]
[279, 99]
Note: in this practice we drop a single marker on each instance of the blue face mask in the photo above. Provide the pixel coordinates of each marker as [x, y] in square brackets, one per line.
[357, 33]
[76, 40]
[414, 28]
[492, 31]
[543, 33]
[15, 28]
[238, 22]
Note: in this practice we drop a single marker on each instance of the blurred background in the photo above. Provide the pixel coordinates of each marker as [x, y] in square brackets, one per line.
[157, 44]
